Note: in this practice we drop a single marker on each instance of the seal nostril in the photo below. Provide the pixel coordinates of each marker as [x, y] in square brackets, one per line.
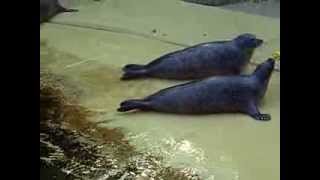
[271, 61]
[259, 42]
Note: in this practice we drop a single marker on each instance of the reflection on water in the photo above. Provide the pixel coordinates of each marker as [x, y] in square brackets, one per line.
[183, 153]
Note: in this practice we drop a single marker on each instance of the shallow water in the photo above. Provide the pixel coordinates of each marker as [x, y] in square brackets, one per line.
[219, 147]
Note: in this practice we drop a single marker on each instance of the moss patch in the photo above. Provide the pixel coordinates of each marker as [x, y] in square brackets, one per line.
[71, 147]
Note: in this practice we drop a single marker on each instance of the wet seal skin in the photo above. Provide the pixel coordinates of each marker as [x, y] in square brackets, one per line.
[199, 61]
[50, 8]
[221, 94]
[213, 2]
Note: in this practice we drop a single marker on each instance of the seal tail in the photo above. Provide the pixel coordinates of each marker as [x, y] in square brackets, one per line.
[71, 10]
[131, 67]
[133, 104]
[133, 71]
[63, 9]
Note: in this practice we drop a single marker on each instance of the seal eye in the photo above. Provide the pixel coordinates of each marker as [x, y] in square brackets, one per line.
[252, 39]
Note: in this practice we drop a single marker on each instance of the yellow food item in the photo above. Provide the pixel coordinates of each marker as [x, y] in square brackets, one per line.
[276, 55]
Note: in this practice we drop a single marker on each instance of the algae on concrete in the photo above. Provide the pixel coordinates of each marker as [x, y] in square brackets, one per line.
[71, 147]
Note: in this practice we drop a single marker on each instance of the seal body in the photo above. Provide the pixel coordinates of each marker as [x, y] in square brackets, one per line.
[199, 61]
[50, 8]
[221, 94]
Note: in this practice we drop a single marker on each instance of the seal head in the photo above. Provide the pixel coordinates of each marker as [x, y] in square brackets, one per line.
[248, 41]
[264, 70]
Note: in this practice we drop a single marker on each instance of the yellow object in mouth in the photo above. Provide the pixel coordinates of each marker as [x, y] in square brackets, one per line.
[276, 55]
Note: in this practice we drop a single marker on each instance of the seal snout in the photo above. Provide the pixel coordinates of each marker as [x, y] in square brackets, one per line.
[271, 61]
[259, 42]
[265, 69]
[248, 41]
[268, 64]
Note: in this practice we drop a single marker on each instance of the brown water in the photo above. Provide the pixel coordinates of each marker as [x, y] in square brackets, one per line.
[219, 147]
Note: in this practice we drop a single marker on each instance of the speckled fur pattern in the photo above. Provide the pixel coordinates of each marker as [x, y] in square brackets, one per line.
[199, 61]
[221, 94]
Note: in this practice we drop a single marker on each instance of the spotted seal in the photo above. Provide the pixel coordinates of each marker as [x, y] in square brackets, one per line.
[199, 61]
[220, 94]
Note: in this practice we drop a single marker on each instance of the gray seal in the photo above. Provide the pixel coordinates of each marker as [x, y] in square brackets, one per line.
[221, 94]
[50, 8]
[199, 61]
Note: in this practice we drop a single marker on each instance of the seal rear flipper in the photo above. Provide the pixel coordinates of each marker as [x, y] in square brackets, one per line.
[133, 104]
[131, 67]
[70, 10]
[63, 9]
[133, 74]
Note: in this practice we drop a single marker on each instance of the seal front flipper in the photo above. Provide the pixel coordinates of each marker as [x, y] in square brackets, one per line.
[262, 117]
[254, 112]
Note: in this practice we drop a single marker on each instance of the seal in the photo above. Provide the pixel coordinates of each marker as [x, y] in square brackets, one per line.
[220, 94]
[50, 8]
[199, 61]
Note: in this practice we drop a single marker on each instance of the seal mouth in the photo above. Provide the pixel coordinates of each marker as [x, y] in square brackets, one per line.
[271, 62]
[259, 42]
[264, 70]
